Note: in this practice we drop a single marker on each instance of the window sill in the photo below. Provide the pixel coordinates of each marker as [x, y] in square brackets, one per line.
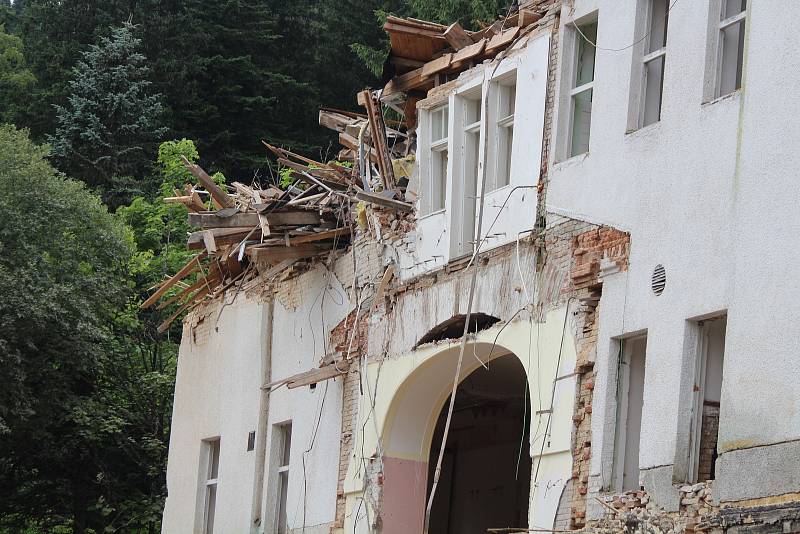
[572, 160]
[643, 130]
[730, 96]
[498, 190]
[431, 214]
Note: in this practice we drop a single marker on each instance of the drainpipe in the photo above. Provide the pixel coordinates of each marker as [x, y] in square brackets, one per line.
[263, 414]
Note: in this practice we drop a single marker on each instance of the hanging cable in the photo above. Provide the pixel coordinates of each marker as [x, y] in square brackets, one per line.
[470, 301]
[594, 44]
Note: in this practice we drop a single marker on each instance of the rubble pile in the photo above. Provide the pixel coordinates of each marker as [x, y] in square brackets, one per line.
[634, 512]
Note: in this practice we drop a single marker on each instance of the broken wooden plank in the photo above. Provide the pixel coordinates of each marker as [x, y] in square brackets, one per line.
[382, 201]
[467, 53]
[201, 281]
[377, 129]
[220, 196]
[501, 40]
[190, 267]
[276, 254]
[222, 236]
[335, 121]
[251, 219]
[307, 199]
[208, 241]
[351, 142]
[388, 274]
[405, 82]
[328, 173]
[282, 153]
[526, 17]
[457, 36]
[315, 376]
[319, 236]
[437, 65]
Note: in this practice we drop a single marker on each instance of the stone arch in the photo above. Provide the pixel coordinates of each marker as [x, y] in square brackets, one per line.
[410, 424]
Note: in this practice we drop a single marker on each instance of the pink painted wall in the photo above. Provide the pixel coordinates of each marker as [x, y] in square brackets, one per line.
[404, 492]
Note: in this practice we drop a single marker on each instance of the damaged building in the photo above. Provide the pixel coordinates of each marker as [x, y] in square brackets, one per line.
[538, 290]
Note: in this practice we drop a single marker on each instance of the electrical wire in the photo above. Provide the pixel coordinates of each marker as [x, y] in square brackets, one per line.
[470, 300]
[594, 44]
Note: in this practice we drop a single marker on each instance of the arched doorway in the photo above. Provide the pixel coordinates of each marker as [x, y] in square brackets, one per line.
[486, 468]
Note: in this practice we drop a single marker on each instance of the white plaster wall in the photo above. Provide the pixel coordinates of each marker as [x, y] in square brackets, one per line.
[709, 192]
[216, 394]
[299, 343]
[510, 209]
[670, 185]
[761, 351]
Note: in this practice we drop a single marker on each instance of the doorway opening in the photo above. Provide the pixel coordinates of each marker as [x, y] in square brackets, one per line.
[630, 401]
[486, 468]
[707, 394]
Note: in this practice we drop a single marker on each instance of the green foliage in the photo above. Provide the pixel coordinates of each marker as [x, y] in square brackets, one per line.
[171, 165]
[63, 270]
[373, 58]
[109, 127]
[16, 80]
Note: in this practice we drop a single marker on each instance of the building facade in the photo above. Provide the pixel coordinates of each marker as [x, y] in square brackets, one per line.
[603, 214]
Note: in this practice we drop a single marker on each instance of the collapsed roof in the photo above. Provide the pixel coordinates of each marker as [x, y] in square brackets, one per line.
[246, 232]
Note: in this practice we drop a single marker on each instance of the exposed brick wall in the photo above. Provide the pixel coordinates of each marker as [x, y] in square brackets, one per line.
[348, 340]
[590, 249]
[351, 394]
[708, 442]
[573, 252]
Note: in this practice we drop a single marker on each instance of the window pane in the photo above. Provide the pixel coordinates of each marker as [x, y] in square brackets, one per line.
[287, 444]
[439, 124]
[472, 111]
[470, 191]
[732, 42]
[581, 121]
[504, 153]
[732, 7]
[508, 94]
[283, 489]
[653, 86]
[442, 182]
[213, 467]
[586, 52]
[659, 15]
[211, 505]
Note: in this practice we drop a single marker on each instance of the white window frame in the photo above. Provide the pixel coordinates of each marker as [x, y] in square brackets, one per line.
[643, 55]
[282, 450]
[435, 189]
[572, 89]
[464, 187]
[502, 132]
[211, 449]
[717, 26]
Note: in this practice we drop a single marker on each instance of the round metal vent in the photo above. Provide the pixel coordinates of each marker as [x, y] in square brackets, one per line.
[659, 279]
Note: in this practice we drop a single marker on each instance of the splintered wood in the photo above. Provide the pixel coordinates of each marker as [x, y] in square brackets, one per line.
[243, 230]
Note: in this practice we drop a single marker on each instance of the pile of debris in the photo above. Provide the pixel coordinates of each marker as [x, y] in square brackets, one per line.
[252, 231]
[633, 512]
[244, 232]
[425, 54]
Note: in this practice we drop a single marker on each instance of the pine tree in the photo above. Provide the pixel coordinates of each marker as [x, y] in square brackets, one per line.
[108, 131]
[16, 79]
